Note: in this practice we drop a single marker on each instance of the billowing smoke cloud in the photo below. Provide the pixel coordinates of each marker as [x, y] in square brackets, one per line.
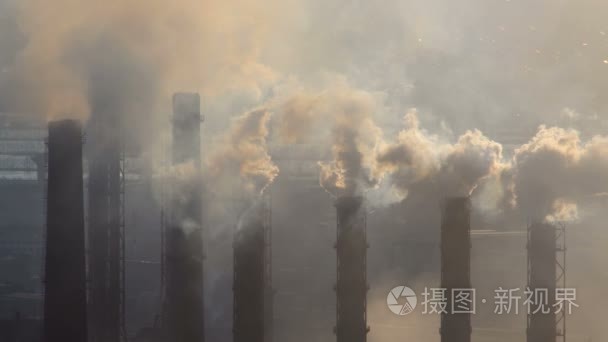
[126, 58]
[555, 171]
[343, 117]
[413, 157]
[299, 114]
[240, 162]
[547, 178]
[354, 140]
[419, 160]
[363, 160]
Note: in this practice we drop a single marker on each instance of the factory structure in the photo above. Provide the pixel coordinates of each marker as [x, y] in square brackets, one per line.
[82, 178]
[546, 272]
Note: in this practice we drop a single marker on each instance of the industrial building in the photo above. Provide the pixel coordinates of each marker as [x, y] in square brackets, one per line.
[22, 185]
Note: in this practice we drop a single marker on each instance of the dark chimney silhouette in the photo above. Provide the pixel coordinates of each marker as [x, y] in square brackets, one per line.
[455, 265]
[65, 314]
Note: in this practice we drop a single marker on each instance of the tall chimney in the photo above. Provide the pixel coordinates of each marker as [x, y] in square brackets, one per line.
[542, 275]
[65, 281]
[106, 231]
[351, 286]
[252, 276]
[183, 312]
[455, 265]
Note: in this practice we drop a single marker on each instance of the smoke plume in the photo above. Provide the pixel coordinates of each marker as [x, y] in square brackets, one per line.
[343, 117]
[354, 139]
[555, 171]
[126, 58]
[240, 162]
[418, 160]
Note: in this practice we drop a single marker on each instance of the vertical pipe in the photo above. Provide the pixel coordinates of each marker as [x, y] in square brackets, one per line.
[455, 265]
[542, 276]
[250, 281]
[268, 289]
[183, 315]
[105, 230]
[65, 280]
[351, 286]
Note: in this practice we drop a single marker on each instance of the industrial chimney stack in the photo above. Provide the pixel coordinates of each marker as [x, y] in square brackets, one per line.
[542, 276]
[65, 281]
[455, 265]
[183, 312]
[106, 229]
[253, 302]
[351, 286]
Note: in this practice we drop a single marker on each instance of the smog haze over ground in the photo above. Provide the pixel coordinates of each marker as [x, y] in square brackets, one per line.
[402, 102]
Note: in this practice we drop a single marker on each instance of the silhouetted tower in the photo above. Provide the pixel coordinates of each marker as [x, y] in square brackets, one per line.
[351, 286]
[65, 280]
[183, 312]
[253, 294]
[106, 229]
[455, 266]
[545, 272]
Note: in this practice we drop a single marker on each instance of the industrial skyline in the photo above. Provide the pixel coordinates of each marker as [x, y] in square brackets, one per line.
[303, 170]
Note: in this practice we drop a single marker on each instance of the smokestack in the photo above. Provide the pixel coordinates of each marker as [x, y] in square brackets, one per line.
[183, 307]
[455, 265]
[542, 275]
[351, 287]
[106, 230]
[65, 280]
[252, 276]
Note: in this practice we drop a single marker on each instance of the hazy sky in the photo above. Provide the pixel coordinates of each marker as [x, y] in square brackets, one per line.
[474, 64]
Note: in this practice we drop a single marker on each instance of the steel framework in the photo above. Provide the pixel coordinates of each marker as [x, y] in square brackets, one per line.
[546, 270]
[106, 218]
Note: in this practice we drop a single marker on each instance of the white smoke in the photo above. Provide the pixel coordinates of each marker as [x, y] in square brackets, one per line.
[240, 161]
[420, 160]
[555, 171]
[342, 117]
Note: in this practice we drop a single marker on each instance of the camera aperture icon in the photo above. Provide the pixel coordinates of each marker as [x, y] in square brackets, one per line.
[401, 300]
